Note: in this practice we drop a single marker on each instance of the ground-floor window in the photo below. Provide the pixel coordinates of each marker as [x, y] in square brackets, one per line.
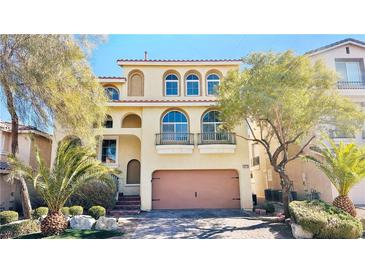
[109, 151]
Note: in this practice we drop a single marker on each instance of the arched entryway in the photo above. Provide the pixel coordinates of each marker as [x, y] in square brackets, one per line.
[133, 172]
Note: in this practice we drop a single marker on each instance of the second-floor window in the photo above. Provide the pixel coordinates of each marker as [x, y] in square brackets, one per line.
[108, 122]
[174, 126]
[171, 85]
[351, 73]
[192, 85]
[112, 93]
[212, 83]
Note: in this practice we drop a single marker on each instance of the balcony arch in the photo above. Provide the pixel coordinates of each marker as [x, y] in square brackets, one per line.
[131, 121]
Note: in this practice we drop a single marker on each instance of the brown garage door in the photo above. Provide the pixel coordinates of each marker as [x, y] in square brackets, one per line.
[183, 189]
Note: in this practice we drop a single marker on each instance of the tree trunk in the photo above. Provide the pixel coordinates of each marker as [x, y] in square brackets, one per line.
[14, 148]
[286, 185]
[27, 207]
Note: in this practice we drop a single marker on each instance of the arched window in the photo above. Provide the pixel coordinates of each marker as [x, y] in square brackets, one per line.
[212, 83]
[192, 85]
[171, 85]
[108, 123]
[174, 126]
[73, 139]
[211, 122]
[136, 83]
[112, 93]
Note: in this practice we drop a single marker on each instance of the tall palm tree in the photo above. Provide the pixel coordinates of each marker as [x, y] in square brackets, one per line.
[344, 165]
[74, 166]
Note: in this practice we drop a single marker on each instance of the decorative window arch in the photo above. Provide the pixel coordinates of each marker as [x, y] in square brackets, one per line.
[112, 93]
[211, 122]
[108, 122]
[175, 126]
[171, 84]
[192, 83]
[213, 81]
[136, 83]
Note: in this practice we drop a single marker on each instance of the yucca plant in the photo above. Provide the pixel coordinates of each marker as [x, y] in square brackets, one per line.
[344, 165]
[74, 166]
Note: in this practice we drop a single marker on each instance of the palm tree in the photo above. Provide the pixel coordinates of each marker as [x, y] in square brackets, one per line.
[74, 166]
[344, 165]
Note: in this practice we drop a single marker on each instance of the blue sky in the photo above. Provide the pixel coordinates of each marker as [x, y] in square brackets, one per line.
[103, 60]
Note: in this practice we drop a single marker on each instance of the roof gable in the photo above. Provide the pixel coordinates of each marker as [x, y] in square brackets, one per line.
[336, 45]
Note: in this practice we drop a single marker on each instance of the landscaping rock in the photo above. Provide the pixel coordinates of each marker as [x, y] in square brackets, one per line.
[82, 222]
[105, 223]
[300, 233]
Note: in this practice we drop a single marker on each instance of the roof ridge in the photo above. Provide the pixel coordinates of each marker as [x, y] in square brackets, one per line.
[335, 44]
[180, 60]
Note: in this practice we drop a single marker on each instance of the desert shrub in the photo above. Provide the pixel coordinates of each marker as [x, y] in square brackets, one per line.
[19, 228]
[8, 216]
[76, 210]
[39, 212]
[97, 211]
[324, 220]
[95, 193]
[65, 211]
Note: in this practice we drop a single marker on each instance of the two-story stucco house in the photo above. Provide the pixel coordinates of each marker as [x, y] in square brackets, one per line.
[163, 132]
[30, 139]
[346, 57]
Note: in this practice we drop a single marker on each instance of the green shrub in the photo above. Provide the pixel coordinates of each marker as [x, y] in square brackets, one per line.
[95, 193]
[8, 216]
[324, 220]
[76, 210]
[39, 212]
[19, 228]
[97, 211]
[269, 207]
[65, 211]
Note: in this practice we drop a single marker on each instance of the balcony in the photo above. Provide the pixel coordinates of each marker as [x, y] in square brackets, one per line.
[350, 85]
[210, 138]
[174, 143]
[216, 142]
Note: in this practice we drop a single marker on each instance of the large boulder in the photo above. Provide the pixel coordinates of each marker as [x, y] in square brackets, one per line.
[300, 233]
[82, 222]
[105, 223]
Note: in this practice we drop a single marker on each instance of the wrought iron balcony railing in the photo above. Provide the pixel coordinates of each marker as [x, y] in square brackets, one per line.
[174, 139]
[211, 138]
[350, 85]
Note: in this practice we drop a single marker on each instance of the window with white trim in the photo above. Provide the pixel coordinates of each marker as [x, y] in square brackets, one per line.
[171, 85]
[109, 151]
[192, 85]
[174, 126]
[112, 93]
[213, 81]
[350, 71]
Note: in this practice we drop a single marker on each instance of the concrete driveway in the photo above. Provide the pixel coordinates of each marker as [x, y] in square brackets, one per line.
[201, 224]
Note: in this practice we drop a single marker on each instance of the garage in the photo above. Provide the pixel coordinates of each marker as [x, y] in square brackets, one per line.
[194, 189]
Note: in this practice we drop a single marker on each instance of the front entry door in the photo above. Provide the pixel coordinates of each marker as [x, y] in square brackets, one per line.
[133, 172]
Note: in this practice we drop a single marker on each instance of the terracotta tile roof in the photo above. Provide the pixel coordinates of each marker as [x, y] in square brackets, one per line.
[4, 166]
[179, 60]
[164, 101]
[112, 77]
[336, 44]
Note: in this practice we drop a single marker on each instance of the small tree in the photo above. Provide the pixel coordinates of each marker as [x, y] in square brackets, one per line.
[284, 100]
[46, 78]
[74, 167]
[344, 165]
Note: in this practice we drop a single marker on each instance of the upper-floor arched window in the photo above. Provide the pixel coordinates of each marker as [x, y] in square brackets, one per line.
[174, 122]
[192, 85]
[213, 81]
[112, 93]
[171, 85]
[211, 122]
[108, 122]
[135, 83]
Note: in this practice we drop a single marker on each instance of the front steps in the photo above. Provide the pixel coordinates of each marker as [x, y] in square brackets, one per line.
[126, 205]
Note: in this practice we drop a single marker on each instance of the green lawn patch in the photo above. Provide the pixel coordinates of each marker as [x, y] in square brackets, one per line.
[76, 234]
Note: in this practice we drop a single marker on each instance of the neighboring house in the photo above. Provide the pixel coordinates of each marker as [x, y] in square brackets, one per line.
[29, 139]
[347, 58]
[163, 132]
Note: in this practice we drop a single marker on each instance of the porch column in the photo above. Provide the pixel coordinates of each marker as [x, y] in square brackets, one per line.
[245, 188]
